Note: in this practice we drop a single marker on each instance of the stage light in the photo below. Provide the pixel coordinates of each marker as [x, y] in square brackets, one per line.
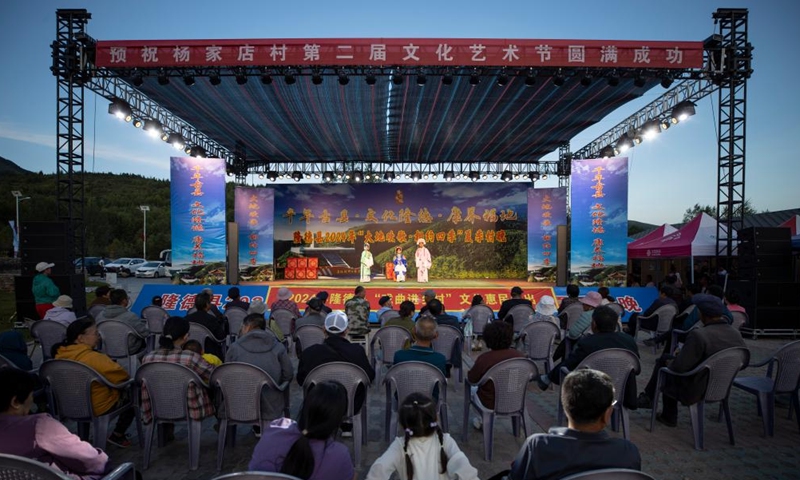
[516, 176]
[666, 80]
[586, 80]
[682, 111]
[613, 79]
[241, 78]
[495, 176]
[176, 140]
[530, 78]
[559, 79]
[138, 78]
[370, 78]
[485, 176]
[316, 77]
[343, 78]
[272, 176]
[358, 177]
[533, 176]
[198, 152]
[163, 79]
[624, 143]
[288, 78]
[607, 152]
[297, 175]
[506, 176]
[639, 81]
[397, 78]
[120, 109]
[388, 176]
[266, 78]
[448, 176]
[188, 80]
[651, 129]
[474, 78]
[502, 79]
[664, 123]
[153, 128]
[447, 78]
[421, 79]
[415, 176]
[164, 136]
[367, 176]
[544, 176]
[187, 149]
[474, 176]
[316, 175]
[137, 123]
[327, 177]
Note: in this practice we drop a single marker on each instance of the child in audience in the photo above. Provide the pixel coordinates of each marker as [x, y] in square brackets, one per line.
[194, 346]
[424, 452]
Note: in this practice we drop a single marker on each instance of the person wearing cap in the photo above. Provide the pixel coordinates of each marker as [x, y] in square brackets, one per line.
[516, 299]
[102, 296]
[716, 335]
[236, 300]
[357, 310]
[336, 348]
[285, 302]
[61, 311]
[545, 311]
[258, 306]
[313, 316]
[590, 301]
[386, 305]
[118, 310]
[400, 265]
[427, 296]
[45, 291]
[422, 260]
[366, 264]
[665, 297]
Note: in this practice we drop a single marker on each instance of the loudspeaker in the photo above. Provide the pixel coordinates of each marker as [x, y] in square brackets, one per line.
[561, 255]
[774, 318]
[765, 241]
[782, 273]
[770, 305]
[764, 234]
[23, 296]
[46, 242]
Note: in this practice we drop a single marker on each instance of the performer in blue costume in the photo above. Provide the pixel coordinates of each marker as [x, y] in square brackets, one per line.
[400, 265]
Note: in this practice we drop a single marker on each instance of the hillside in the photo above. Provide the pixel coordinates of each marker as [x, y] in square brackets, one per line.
[7, 167]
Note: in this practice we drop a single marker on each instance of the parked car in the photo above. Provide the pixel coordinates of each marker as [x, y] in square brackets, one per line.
[152, 270]
[124, 266]
[92, 264]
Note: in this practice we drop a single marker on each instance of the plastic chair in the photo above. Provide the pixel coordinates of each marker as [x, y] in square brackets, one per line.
[48, 333]
[510, 379]
[519, 315]
[610, 474]
[391, 339]
[95, 310]
[116, 335]
[722, 368]
[569, 316]
[481, 315]
[240, 386]
[155, 317]
[787, 380]
[448, 343]
[167, 386]
[255, 476]
[351, 376]
[13, 467]
[285, 319]
[235, 318]
[410, 377]
[388, 315]
[200, 333]
[619, 364]
[665, 315]
[308, 335]
[537, 340]
[69, 392]
[740, 319]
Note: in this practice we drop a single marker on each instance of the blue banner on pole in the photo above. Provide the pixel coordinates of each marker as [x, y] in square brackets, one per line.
[254, 215]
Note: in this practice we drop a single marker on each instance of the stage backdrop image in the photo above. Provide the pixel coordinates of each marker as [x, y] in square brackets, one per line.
[547, 209]
[197, 190]
[471, 230]
[599, 232]
[254, 208]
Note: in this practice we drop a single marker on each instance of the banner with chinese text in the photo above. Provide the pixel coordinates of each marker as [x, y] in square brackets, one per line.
[197, 189]
[254, 215]
[471, 230]
[599, 227]
[547, 209]
[178, 299]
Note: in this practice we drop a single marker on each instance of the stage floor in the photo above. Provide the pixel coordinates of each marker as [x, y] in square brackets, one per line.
[409, 285]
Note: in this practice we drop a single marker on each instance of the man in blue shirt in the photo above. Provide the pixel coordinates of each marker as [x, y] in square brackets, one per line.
[422, 349]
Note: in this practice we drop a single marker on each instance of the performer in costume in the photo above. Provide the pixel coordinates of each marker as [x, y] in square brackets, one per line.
[366, 263]
[400, 265]
[422, 258]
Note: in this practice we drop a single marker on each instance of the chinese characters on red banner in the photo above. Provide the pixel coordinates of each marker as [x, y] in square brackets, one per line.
[198, 213]
[598, 212]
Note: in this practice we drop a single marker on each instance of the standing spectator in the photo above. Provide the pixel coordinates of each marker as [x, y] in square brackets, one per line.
[587, 396]
[422, 349]
[307, 449]
[405, 320]
[285, 302]
[357, 310]
[516, 299]
[102, 296]
[61, 311]
[236, 299]
[118, 310]
[202, 316]
[45, 291]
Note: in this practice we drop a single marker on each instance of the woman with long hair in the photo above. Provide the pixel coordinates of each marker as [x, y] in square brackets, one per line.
[306, 449]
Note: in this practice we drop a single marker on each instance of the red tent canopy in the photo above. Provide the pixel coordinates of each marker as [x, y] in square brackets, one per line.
[793, 224]
[656, 234]
[696, 239]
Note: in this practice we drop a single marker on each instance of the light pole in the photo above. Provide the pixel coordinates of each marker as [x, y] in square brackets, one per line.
[144, 209]
[19, 198]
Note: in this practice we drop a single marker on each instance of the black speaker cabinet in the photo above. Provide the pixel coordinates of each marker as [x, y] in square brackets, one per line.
[760, 241]
[46, 242]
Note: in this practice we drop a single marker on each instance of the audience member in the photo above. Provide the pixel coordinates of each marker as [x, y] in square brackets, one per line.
[202, 316]
[427, 295]
[82, 338]
[212, 305]
[516, 299]
[694, 315]
[386, 305]
[545, 310]
[424, 451]
[260, 348]
[357, 310]
[45, 291]
[39, 436]
[649, 282]
[236, 299]
[665, 297]
[701, 343]
[307, 449]
[422, 349]
[436, 309]
[15, 350]
[118, 310]
[196, 347]
[323, 297]
[61, 311]
[313, 315]
[732, 300]
[590, 301]
[259, 307]
[573, 294]
[405, 319]
[587, 396]
[605, 293]
[102, 296]
[157, 301]
[285, 301]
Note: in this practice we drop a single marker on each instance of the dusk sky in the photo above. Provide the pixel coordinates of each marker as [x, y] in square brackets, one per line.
[667, 175]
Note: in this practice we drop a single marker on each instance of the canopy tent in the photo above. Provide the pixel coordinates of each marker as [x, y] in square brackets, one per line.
[698, 238]
[656, 234]
[793, 224]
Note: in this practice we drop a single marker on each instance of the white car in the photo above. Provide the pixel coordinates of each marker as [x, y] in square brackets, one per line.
[125, 266]
[152, 270]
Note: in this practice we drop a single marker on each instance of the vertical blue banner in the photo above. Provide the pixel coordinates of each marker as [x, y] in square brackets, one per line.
[198, 212]
[254, 213]
[599, 199]
[547, 208]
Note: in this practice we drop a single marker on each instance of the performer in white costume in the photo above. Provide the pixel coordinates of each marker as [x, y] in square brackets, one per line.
[422, 258]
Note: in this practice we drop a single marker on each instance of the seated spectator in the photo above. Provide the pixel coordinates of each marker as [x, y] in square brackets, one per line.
[323, 297]
[694, 316]
[477, 341]
[118, 310]
[587, 396]
[573, 294]
[665, 297]
[423, 452]
[82, 339]
[545, 311]
[15, 350]
[507, 305]
[212, 306]
[39, 436]
[732, 300]
[386, 306]
[285, 301]
[605, 293]
[605, 335]
[259, 307]
[236, 299]
[498, 337]
[436, 309]
[260, 348]
[194, 346]
[427, 296]
[422, 349]
[157, 301]
[405, 318]
[174, 336]
[102, 296]
[61, 311]
[307, 449]
[590, 301]
[202, 316]
[313, 315]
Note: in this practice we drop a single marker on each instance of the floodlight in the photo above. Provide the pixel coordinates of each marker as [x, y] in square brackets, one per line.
[607, 152]
[288, 78]
[241, 77]
[682, 111]
[214, 78]
[421, 79]
[327, 177]
[474, 176]
[343, 78]
[163, 79]
[416, 176]
[176, 140]
[651, 129]
[530, 78]
[153, 128]
[138, 78]
[188, 80]
[666, 80]
[272, 176]
[358, 177]
[533, 176]
[639, 81]
[448, 176]
[137, 123]
[624, 143]
[613, 79]
[474, 78]
[502, 79]
[586, 80]
[447, 78]
[266, 78]
[120, 109]
[388, 176]
[198, 152]
[544, 176]
[370, 78]
[506, 176]
[559, 79]
[297, 175]
[397, 78]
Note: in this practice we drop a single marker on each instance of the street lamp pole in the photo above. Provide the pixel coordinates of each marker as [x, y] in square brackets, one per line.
[18, 198]
[144, 209]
